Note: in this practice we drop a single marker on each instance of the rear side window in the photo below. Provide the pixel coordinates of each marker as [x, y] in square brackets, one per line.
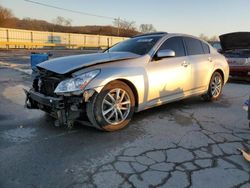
[175, 44]
[193, 46]
[206, 48]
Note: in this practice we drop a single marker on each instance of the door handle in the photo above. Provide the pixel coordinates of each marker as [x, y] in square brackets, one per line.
[210, 59]
[185, 64]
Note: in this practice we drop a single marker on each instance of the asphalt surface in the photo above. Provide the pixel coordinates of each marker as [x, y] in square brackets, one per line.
[190, 143]
[20, 59]
[22, 56]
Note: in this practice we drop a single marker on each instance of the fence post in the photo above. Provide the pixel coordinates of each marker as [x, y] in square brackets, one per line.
[84, 41]
[108, 43]
[98, 42]
[7, 35]
[52, 39]
[31, 38]
[69, 41]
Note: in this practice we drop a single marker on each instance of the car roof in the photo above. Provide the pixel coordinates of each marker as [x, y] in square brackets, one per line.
[165, 34]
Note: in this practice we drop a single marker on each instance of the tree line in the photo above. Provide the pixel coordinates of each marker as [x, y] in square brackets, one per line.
[120, 27]
[123, 28]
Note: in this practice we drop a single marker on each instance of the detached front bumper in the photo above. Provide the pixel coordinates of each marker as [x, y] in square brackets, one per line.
[35, 100]
[65, 110]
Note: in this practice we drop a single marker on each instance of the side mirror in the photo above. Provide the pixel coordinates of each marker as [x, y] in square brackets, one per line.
[165, 53]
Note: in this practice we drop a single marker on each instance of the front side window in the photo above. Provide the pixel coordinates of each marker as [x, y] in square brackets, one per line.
[175, 44]
[193, 46]
[137, 45]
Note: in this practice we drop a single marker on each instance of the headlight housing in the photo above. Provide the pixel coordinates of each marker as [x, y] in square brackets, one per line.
[76, 84]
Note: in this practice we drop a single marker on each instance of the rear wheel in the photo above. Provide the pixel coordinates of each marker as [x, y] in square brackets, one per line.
[215, 88]
[113, 108]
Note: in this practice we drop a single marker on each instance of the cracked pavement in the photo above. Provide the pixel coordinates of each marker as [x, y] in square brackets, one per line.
[190, 143]
[204, 156]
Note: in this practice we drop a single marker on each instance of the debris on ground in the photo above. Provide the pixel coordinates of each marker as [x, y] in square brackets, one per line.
[246, 104]
[245, 154]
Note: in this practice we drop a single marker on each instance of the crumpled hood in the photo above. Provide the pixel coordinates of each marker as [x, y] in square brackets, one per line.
[68, 64]
[233, 41]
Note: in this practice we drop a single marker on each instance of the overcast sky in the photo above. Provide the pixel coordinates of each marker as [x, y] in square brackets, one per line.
[211, 17]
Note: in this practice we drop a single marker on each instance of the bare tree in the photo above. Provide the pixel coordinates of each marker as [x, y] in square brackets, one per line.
[59, 20]
[5, 16]
[147, 28]
[203, 37]
[206, 38]
[125, 25]
[214, 38]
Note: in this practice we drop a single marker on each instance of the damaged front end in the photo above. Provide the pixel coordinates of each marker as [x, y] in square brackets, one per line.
[66, 103]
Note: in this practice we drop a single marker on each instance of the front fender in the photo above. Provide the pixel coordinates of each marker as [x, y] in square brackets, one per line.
[136, 75]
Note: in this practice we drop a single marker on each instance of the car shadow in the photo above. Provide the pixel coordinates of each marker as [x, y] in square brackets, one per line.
[237, 81]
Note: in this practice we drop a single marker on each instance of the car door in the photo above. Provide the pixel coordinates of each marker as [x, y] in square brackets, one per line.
[200, 62]
[168, 78]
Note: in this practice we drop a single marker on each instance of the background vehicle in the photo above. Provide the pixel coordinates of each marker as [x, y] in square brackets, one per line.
[216, 45]
[236, 48]
[139, 73]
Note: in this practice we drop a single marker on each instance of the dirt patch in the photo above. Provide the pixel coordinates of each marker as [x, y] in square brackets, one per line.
[15, 94]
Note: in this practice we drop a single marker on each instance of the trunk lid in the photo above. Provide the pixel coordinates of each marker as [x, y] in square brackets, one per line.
[235, 41]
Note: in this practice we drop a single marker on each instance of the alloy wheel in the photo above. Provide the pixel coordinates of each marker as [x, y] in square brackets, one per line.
[216, 86]
[116, 106]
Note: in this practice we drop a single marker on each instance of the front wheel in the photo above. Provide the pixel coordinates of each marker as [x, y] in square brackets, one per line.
[215, 88]
[113, 108]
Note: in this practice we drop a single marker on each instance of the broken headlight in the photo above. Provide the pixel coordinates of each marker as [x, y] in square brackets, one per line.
[76, 84]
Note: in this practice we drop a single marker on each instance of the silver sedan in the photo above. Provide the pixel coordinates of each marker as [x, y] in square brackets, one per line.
[104, 90]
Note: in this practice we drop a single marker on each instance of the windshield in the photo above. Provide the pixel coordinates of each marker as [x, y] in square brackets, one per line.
[138, 45]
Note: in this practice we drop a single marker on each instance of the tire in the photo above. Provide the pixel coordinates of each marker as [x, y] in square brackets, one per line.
[215, 88]
[113, 108]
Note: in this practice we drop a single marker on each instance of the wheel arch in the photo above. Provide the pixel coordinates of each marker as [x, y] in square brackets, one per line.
[133, 88]
[221, 73]
[129, 83]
